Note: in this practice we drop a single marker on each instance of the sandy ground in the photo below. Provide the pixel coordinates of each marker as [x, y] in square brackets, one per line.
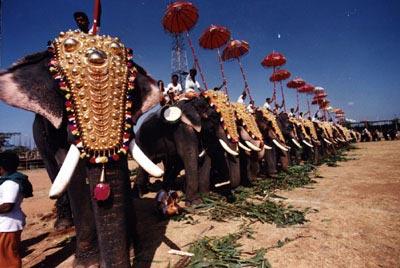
[355, 220]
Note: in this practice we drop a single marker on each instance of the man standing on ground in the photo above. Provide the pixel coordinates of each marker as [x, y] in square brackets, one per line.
[13, 188]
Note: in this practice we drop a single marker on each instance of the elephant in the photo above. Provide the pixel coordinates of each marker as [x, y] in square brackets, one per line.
[191, 143]
[276, 155]
[63, 85]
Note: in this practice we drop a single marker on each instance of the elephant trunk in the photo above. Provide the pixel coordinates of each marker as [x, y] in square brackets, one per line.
[113, 224]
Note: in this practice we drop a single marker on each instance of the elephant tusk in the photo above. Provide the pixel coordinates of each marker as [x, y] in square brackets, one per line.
[227, 149]
[328, 142]
[64, 176]
[241, 145]
[252, 146]
[222, 184]
[267, 147]
[144, 161]
[296, 143]
[202, 153]
[341, 140]
[308, 144]
[280, 146]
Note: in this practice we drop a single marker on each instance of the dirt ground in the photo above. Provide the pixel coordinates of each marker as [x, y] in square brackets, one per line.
[355, 220]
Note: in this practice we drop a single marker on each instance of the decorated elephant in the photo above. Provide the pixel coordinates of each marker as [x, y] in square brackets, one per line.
[88, 88]
[188, 141]
[276, 156]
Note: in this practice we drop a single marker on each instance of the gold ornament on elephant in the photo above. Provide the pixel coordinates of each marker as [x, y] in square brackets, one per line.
[248, 121]
[97, 74]
[299, 123]
[270, 117]
[221, 103]
[310, 125]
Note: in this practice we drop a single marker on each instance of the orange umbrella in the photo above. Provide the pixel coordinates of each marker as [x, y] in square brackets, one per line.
[215, 37]
[279, 76]
[179, 17]
[296, 83]
[234, 50]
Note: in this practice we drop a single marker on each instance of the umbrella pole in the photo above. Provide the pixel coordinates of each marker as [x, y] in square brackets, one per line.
[298, 102]
[246, 86]
[196, 61]
[221, 65]
[309, 109]
[274, 91]
[283, 97]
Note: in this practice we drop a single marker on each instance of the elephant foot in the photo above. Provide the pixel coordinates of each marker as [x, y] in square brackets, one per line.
[62, 224]
[86, 256]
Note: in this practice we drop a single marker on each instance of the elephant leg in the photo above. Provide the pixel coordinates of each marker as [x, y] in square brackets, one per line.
[112, 215]
[270, 159]
[204, 174]
[234, 170]
[141, 183]
[187, 148]
[49, 142]
[87, 252]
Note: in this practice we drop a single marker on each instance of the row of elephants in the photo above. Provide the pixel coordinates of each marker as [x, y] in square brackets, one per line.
[81, 103]
[221, 143]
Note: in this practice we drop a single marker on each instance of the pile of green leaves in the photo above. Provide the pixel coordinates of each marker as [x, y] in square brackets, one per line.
[264, 211]
[225, 252]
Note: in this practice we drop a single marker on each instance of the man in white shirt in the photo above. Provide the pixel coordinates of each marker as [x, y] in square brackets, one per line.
[12, 219]
[191, 85]
[267, 104]
[242, 97]
[251, 107]
[173, 89]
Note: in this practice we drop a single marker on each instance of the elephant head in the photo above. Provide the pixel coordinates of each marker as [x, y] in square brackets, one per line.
[90, 82]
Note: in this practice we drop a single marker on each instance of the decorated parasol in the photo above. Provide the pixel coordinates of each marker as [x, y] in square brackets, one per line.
[180, 17]
[279, 76]
[309, 90]
[234, 50]
[215, 37]
[273, 60]
[295, 84]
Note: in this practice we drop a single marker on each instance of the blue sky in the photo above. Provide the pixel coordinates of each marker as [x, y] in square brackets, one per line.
[349, 47]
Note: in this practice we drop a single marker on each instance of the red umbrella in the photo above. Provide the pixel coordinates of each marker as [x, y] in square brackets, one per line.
[179, 17]
[318, 90]
[274, 59]
[320, 95]
[296, 83]
[234, 50]
[215, 37]
[308, 89]
[279, 75]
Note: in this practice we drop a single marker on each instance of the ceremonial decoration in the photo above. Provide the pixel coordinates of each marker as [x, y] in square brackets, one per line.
[247, 120]
[270, 117]
[296, 84]
[181, 17]
[96, 76]
[215, 37]
[221, 103]
[279, 76]
[299, 123]
[234, 50]
[310, 126]
[274, 60]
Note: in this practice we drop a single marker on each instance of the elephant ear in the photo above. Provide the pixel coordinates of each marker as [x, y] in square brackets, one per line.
[28, 85]
[190, 115]
[146, 94]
